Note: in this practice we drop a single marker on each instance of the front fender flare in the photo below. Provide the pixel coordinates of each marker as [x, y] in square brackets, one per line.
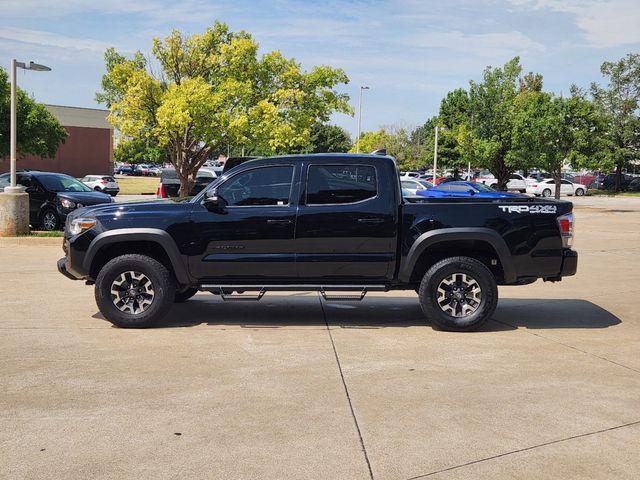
[155, 235]
[432, 237]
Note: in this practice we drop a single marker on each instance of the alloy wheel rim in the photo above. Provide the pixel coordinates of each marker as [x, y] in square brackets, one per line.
[459, 295]
[132, 292]
[49, 221]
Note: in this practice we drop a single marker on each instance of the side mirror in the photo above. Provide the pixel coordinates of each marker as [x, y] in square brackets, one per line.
[213, 202]
[472, 192]
[31, 190]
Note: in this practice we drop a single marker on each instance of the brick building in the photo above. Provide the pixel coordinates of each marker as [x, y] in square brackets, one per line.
[87, 150]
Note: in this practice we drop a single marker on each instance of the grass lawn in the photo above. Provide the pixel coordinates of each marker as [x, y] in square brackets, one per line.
[41, 233]
[606, 193]
[137, 185]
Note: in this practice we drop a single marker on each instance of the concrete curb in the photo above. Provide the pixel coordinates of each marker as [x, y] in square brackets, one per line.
[33, 241]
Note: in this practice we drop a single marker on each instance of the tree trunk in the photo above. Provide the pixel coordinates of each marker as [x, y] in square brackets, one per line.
[618, 176]
[186, 177]
[557, 178]
[502, 178]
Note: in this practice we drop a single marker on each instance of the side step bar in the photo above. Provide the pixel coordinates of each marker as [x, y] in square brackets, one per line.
[358, 292]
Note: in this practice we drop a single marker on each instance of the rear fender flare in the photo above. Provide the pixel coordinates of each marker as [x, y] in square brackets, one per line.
[155, 235]
[428, 239]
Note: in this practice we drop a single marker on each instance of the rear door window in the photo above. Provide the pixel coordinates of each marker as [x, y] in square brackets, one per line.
[340, 184]
[258, 187]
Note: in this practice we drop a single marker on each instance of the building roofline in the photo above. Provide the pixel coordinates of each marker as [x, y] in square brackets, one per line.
[77, 108]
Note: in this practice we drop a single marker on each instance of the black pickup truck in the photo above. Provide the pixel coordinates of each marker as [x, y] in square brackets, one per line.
[334, 223]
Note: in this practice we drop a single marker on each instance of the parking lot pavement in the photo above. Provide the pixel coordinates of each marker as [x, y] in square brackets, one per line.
[292, 387]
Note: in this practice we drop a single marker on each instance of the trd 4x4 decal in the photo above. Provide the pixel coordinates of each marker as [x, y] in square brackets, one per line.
[528, 208]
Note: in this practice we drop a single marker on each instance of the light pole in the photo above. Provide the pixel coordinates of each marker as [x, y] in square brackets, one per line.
[360, 118]
[435, 152]
[14, 202]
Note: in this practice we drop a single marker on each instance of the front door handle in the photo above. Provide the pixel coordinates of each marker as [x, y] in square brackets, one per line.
[279, 221]
[370, 220]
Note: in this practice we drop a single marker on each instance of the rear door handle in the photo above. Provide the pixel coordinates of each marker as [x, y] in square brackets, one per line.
[370, 220]
[279, 221]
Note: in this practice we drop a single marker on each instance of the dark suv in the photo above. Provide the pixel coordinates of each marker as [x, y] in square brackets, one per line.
[608, 182]
[52, 196]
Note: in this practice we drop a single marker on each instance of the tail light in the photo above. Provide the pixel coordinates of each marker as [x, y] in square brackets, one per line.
[160, 193]
[565, 223]
[534, 185]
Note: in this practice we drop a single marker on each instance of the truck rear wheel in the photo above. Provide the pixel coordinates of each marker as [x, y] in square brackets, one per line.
[458, 294]
[134, 291]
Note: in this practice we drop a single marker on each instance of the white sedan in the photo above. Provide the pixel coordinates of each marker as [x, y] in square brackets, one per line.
[412, 185]
[547, 188]
[516, 182]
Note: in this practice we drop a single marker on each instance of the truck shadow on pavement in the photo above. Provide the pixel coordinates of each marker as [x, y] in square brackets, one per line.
[306, 310]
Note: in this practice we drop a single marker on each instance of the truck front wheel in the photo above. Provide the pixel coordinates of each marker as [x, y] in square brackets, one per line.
[134, 291]
[458, 294]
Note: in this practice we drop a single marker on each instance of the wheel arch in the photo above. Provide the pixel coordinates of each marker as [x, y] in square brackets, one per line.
[479, 243]
[152, 242]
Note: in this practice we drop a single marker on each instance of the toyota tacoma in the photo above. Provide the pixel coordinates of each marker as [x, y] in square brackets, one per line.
[332, 223]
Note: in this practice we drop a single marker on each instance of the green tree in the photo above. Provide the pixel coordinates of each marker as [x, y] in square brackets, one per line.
[214, 91]
[39, 132]
[398, 143]
[531, 82]
[137, 150]
[620, 102]
[551, 131]
[111, 92]
[371, 141]
[327, 138]
[487, 135]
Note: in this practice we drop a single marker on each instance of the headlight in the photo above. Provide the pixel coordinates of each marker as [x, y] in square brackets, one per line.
[67, 203]
[79, 225]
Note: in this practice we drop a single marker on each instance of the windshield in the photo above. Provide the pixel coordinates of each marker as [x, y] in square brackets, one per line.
[62, 183]
[482, 187]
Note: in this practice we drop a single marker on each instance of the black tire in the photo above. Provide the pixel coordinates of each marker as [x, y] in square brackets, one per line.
[49, 220]
[483, 305]
[184, 295]
[162, 286]
[546, 193]
[579, 192]
[97, 189]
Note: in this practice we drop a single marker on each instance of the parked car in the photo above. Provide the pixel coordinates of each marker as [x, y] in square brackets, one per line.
[412, 185]
[102, 183]
[547, 188]
[141, 170]
[516, 183]
[409, 174]
[634, 185]
[584, 179]
[169, 185]
[465, 189]
[124, 170]
[608, 182]
[153, 171]
[300, 223]
[53, 196]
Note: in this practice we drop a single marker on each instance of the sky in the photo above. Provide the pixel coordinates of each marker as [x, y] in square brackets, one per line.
[409, 52]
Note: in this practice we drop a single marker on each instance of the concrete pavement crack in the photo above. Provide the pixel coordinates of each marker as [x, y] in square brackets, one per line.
[568, 346]
[533, 447]
[346, 390]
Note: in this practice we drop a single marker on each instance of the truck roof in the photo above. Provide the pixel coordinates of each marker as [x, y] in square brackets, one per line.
[328, 156]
